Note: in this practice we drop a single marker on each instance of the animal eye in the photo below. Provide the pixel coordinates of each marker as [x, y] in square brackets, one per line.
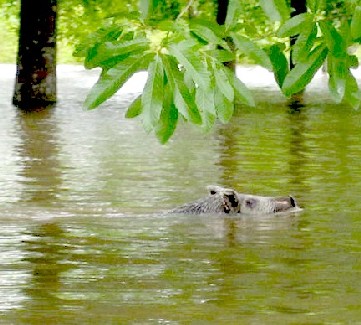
[250, 203]
[213, 192]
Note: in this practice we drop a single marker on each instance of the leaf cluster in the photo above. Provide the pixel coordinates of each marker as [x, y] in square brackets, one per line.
[185, 56]
[186, 76]
[322, 40]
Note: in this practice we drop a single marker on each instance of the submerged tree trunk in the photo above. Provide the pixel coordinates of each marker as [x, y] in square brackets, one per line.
[35, 85]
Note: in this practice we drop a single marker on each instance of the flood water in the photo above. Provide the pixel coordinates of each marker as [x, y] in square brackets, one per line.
[82, 239]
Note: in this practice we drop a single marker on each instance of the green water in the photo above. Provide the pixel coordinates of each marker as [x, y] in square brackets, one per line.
[82, 240]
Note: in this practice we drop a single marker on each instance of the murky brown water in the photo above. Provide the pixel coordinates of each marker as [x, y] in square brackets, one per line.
[81, 240]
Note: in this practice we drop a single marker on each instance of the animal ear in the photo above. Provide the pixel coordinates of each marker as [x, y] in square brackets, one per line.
[293, 201]
[213, 189]
[232, 198]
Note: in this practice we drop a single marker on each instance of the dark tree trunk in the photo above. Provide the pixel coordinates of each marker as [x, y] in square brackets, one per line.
[296, 101]
[222, 7]
[299, 7]
[35, 86]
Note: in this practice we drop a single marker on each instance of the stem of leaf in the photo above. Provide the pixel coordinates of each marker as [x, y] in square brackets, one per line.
[185, 9]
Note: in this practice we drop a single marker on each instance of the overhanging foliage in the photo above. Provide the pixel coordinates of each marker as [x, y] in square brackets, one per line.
[184, 58]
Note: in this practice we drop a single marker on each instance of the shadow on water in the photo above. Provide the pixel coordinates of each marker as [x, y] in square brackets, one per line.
[298, 149]
[46, 252]
[38, 150]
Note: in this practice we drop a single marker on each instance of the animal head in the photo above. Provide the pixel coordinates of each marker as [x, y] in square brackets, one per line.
[229, 197]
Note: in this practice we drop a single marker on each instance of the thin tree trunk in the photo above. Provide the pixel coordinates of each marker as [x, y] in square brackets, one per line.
[296, 101]
[35, 86]
[299, 7]
[222, 7]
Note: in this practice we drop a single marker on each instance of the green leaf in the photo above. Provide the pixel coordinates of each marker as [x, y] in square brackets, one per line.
[208, 120]
[185, 103]
[112, 80]
[180, 103]
[103, 34]
[205, 101]
[224, 107]
[135, 108]
[352, 61]
[279, 63]
[316, 5]
[91, 53]
[167, 123]
[167, 25]
[234, 10]
[252, 50]
[152, 97]
[171, 70]
[115, 50]
[183, 99]
[146, 7]
[294, 26]
[223, 94]
[221, 55]
[333, 39]
[206, 31]
[352, 94]
[188, 81]
[299, 77]
[337, 71]
[241, 92]
[356, 24]
[192, 62]
[305, 42]
[222, 82]
[168, 117]
[276, 10]
[345, 32]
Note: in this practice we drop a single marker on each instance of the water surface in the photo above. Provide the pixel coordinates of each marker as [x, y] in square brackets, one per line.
[82, 239]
